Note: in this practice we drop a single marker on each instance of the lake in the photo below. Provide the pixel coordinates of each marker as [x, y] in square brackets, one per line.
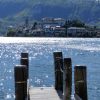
[83, 51]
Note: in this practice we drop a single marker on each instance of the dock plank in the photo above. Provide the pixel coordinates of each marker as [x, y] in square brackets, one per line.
[43, 93]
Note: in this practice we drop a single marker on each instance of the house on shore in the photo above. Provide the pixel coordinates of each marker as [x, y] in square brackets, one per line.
[98, 32]
[80, 32]
[50, 20]
[53, 26]
[37, 32]
[76, 31]
[60, 32]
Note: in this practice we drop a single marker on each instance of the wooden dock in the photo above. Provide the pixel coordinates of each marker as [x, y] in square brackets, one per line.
[44, 93]
[62, 89]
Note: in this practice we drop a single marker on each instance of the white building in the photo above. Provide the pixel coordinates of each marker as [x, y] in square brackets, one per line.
[59, 31]
[76, 31]
[52, 26]
[53, 21]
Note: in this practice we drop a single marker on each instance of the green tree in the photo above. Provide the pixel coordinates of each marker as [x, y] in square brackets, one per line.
[34, 25]
[77, 23]
[11, 33]
[74, 23]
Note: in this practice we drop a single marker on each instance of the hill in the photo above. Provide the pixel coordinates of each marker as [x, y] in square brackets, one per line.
[17, 10]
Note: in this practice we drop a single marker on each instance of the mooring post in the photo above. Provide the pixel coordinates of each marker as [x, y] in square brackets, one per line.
[67, 79]
[20, 82]
[80, 80]
[24, 55]
[58, 63]
[25, 61]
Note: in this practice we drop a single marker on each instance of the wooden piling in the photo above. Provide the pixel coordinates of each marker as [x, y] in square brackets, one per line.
[24, 55]
[20, 82]
[67, 78]
[58, 63]
[80, 80]
[25, 61]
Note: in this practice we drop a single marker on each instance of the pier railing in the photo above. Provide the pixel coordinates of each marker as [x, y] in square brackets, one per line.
[63, 78]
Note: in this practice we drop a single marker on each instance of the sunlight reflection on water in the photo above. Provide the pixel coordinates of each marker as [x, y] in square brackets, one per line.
[82, 51]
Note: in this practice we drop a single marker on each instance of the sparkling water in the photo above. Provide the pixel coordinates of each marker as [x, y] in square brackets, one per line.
[83, 51]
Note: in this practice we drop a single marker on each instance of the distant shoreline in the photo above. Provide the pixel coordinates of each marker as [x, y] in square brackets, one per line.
[49, 37]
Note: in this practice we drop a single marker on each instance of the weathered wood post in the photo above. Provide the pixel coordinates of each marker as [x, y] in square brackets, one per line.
[80, 79]
[67, 78]
[25, 61]
[24, 55]
[58, 63]
[20, 82]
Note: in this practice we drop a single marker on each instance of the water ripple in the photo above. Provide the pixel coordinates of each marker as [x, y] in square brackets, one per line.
[82, 51]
